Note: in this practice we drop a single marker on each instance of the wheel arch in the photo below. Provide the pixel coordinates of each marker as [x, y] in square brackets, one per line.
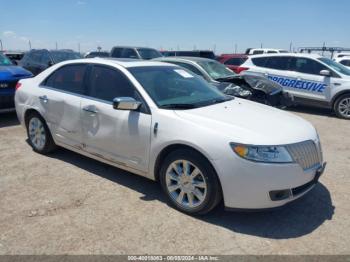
[339, 94]
[30, 111]
[170, 148]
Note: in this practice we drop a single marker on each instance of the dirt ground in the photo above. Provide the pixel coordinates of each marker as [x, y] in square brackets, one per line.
[69, 204]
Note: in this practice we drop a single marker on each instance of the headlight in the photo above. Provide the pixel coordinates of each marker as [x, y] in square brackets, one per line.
[267, 154]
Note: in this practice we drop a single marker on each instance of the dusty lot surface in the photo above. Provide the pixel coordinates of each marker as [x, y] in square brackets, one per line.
[68, 204]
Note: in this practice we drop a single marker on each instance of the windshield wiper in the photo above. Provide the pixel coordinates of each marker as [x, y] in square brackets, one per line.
[217, 101]
[178, 106]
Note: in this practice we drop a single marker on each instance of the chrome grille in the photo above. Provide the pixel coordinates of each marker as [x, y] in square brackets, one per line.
[306, 154]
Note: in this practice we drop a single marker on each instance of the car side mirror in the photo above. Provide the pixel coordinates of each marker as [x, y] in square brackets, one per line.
[325, 73]
[126, 103]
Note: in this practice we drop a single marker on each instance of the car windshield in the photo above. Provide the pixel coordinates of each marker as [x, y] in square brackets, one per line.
[176, 88]
[148, 54]
[216, 70]
[4, 61]
[336, 66]
[59, 56]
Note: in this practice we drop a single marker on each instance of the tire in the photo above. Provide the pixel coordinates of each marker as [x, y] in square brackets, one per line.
[39, 135]
[342, 106]
[201, 191]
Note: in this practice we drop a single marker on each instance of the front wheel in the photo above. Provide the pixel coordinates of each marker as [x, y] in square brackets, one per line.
[190, 182]
[342, 106]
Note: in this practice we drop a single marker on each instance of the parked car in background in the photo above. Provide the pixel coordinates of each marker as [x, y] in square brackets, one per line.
[312, 79]
[143, 53]
[252, 87]
[165, 123]
[233, 61]
[195, 53]
[37, 60]
[9, 76]
[14, 56]
[340, 55]
[93, 54]
[345, 60]
[259, 51]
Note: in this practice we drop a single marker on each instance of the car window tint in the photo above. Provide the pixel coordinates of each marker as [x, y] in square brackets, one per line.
[129, 53]
[307, 66]
[258, 52]
[235, 61]
[117, 52]
[107, 83]
[45, 58]
[345, 62]
[260, 61]
[36, 56]
[69, 78]
[278, 63]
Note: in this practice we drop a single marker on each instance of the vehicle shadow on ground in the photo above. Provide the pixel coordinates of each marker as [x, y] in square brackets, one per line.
[8, 119]
[312, 111]
[294, 220]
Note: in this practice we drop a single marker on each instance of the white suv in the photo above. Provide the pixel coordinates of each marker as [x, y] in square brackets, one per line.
[312, 79]
[163, 122]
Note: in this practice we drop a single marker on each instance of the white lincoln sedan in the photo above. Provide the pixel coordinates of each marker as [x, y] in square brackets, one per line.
[163, 122]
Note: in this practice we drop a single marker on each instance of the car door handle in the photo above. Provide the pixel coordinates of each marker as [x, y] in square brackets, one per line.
[90, 109]
[44, 99]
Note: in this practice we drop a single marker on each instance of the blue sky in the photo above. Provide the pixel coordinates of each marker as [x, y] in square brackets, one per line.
[173, 24]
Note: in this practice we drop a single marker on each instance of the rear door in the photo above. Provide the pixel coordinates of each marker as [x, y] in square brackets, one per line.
[119, 136]
[59, 99]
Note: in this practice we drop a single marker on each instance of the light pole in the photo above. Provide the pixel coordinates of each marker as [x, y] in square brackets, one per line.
[1, 45]
[30, 45]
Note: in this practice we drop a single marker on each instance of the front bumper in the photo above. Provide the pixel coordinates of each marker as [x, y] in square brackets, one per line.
[250, 186]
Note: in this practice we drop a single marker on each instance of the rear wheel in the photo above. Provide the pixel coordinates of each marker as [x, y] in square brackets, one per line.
[342, 106]
[190, 182]
[39, 135]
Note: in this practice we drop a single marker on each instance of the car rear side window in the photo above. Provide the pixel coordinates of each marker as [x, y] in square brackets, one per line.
[260, 61]
[235, 61]
[307, 66]
[69, 78]
[258, 52]
[108, 83]
[345, 62]
[117, 52]
[278, 62]
[129, 53]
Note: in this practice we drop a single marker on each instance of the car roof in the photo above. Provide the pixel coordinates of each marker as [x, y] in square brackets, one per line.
[184, 58]
[124, 62]
[134, 47]
[315, 56]
[233, 55]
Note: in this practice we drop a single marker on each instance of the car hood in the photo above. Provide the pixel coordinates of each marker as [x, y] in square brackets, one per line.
[247, 122]
[9, 73]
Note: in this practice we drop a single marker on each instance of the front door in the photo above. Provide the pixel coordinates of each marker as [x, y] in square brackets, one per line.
[119, 136]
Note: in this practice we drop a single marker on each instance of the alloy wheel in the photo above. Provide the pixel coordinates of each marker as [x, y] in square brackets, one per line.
[186, 184]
